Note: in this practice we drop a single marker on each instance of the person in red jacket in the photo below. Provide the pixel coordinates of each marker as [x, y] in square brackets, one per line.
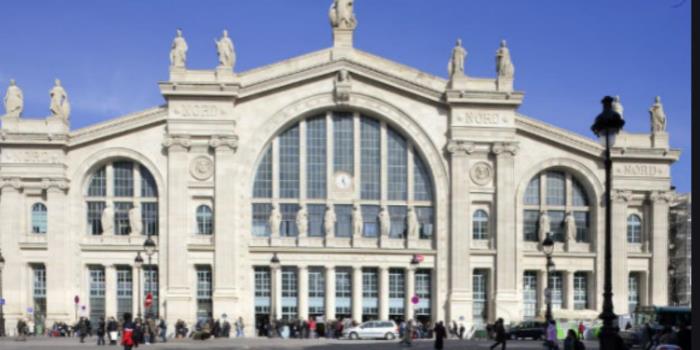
[127, 332]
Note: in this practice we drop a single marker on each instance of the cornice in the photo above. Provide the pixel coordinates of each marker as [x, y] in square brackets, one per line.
[14, 183]
[119, 125]
[557, 135]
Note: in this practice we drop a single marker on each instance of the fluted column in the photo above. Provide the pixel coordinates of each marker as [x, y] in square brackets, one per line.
[569, 290]
[110, 290]
[303, 292]
[10, 231]
[330, 292]
[276, 292]
[410, 291]
[226, 247]
[541, 286]
[620, 273]
[659, 247]
[60, 243]
[383, 293]
[357, 293]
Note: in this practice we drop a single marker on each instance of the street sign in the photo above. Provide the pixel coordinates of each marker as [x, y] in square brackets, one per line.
[30, 310]
[415, 300]
[2, 301]
[420, 258]
[76, 300]
[149, 300]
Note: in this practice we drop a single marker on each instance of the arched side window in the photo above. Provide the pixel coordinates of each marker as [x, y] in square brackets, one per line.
[204, 220]
[634, 229]
[557, 193]
[39, 218]
[480, 225]
[337, 158]
[113, 190]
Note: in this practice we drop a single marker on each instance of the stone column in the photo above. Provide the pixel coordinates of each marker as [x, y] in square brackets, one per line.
[357, 293]
[178, 296]
[541, 287]
[276, 292]
[410, 291]
[569, 290]
[111, 290]
[330, 292]
[303, 292]
[507, 300]
[58, 271]
[460, 296]
[620, 274]
[10, 231]
[383, 293]
[225, 294]
[659, 247]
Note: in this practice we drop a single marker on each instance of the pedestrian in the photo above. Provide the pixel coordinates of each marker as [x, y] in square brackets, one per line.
[552, 343]
[581, 330]
[572, 342]
[152, 329]
[461, 331]
[312, 328]
[138, 332]
[683, 337]
[499, 334]
[440, 334]
[127, 332]
[82, 328]
[101, 331]
[21, 330]
[163, 328]
[112, 330]
[408, 334]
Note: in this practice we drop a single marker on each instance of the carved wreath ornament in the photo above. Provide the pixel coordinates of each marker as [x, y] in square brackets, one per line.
[202, 168]
[481, 173]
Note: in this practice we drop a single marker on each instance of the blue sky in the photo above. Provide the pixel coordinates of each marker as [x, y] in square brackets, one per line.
[567, 54]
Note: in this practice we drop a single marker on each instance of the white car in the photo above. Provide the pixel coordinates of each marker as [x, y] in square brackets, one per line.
[373, 330]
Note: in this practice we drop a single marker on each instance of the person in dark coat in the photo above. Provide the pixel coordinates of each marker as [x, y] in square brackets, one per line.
[127, 332]
[440, 334]
[83, 329]
[684, 336]
[112, 331]
[500, 332]
[101, 331]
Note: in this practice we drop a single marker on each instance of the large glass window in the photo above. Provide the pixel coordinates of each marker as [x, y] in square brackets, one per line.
[634, 229]
[343, 292]
[480, 225]
[370, 158]
[150, 285]
[370, 220]
[290, 287]
[397, 292]
[343, 140]
[582, 226]
[289, 163]
[204, 292]
[261, 217]
[423, 291]
[288, 226]
[317, 291]
[633, 291]
[343, 223]
[530, 294]
[398, 221]
[39, 293]
[580, 291]
[397, 163]
[124, 290]
[316, 213]
[123, 185]
[97, 293]
[556, 224]
[316, 157]
[425, 220]
[370, 293]
[556, 188]
[262, 290]
[532, 193]
[422, 186]
[263, 178]
[39, 218]
[530, 225]
[556, 281]
[479, 292]
[205, 220]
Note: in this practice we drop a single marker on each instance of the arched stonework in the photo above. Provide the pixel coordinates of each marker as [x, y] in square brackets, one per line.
[585, 176]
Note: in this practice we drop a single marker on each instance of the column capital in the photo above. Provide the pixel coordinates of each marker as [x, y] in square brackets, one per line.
[330, 267]
[621, 196]
[177, 142]
[221, 142]
[55, 185]
[505, 149]
[460, 147]
[11, 183]
[659, 197]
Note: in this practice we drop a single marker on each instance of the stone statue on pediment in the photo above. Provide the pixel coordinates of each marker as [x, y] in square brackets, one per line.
[178, 51]
[329, 221]
[455, 67]
[107, 219]
[504, 66]
[59, 101]
[357, 222]
[544, 225]
[412, 223]
[302, 221]
[14, 100]
[226, 51]
[617, 106]
[135, 220]
[342, 14]
[384, 221]
[658, 116]
[570, 225]
[275, 220]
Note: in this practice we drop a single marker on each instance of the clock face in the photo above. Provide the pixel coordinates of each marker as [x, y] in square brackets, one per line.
[343, 181]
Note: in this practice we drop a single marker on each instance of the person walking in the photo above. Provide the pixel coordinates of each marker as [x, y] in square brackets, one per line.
[461, 331]
[112, 330]
[440, 334]
[500, 334]
[581, 330]
[82, 328]
[127, 332]
[21, 330]
[163, 328]
[572, 342]
[407, 339]
[552, 342]
[101, 331]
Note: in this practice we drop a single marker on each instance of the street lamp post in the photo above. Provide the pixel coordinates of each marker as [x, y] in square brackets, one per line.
[274, 266]
[138, 263]
[672, 274]
[2, 313]
[606, 126]
[149, 246]
[548, 248]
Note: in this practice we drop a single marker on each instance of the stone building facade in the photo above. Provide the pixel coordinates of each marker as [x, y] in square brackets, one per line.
[422, 197]
[681, 239]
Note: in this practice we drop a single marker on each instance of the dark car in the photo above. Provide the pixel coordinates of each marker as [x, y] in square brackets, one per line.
[527, 329]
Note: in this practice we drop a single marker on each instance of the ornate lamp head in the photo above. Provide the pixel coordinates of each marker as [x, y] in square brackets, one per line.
[548, 245]
[138, 261]
[608, 123]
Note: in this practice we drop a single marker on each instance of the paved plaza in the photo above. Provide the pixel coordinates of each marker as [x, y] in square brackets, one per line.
[267, 344]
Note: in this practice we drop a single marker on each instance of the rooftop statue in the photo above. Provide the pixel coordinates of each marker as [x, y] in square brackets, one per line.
[178, 51]
[658, 116]
[59, 101]
[504, 66]
[14, 100]
[226, 51]
[617, 106]
[342, 15]
[456, 64]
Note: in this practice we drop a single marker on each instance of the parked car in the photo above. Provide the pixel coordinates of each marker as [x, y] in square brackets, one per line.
[527, 329]
[373, 330]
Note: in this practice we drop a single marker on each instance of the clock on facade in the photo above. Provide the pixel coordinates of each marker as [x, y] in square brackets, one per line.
[343, 181]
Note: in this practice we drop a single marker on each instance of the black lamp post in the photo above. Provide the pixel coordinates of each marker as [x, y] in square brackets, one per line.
[138, 263]
[548, 249]
[149, 246]
[672, 274]
[2, 313]
[275, 265]
[606, 126]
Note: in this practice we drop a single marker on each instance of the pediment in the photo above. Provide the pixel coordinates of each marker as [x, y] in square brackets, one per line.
[119, 125]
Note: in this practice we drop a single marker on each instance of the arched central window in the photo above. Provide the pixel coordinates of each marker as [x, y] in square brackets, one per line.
[113, 191]
[342, 159]
[556, 194]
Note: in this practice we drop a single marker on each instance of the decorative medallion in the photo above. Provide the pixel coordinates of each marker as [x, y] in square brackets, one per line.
[202, 168]
[481, 173]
